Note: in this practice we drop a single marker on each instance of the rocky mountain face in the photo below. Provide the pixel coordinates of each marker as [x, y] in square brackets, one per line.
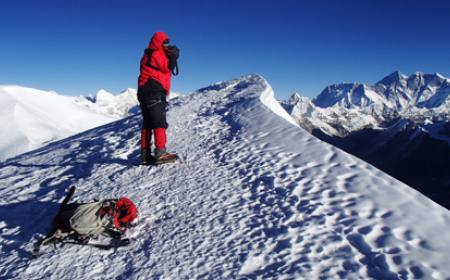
[401, 125]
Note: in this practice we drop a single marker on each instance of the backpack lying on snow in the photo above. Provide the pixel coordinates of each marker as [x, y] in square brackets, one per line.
[93, 219]
[82, 222]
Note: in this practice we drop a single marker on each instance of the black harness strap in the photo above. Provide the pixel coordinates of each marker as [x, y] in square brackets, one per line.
[149, 53]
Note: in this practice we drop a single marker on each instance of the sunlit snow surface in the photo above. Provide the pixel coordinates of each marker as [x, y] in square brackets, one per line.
[29, 118]
[253, 197]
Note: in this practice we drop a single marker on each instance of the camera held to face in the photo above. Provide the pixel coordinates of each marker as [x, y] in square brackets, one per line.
[173, 52]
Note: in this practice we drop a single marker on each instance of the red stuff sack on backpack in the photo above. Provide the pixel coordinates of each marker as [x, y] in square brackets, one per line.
[125, 212]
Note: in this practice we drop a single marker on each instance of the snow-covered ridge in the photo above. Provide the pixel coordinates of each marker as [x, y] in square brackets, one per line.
[268, 98]
[254, 196]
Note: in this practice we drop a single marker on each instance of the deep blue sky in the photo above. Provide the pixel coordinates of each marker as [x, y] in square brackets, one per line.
[78, 47]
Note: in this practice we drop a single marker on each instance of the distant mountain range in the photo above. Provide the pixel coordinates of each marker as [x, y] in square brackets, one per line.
[401, 125]
[106, 103]
[114, 105]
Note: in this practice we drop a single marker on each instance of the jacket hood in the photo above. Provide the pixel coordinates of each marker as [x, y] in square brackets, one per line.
[157, 40]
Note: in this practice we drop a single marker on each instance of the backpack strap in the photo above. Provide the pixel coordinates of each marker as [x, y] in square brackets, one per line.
[107, 211]
[175, 71]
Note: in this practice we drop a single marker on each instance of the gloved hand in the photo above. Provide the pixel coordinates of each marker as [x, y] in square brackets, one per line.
[173, 53]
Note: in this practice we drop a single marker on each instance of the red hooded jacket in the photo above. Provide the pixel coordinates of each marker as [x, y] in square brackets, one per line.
[156, 67]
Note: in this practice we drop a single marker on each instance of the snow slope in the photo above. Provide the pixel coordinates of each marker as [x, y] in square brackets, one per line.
[253, 197]
[30, 118]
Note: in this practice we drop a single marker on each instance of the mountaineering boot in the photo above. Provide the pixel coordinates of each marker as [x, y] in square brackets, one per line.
[162, 156]
[145, 156]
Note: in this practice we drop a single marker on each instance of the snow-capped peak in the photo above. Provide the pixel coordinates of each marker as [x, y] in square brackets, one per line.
[395, 77]
[103, 97]
[295, 97]
[347, 95]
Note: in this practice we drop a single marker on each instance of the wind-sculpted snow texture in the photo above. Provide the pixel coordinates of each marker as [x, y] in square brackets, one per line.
[253, 197]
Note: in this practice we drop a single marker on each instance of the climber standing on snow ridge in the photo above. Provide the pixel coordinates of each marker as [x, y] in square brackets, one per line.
[157, 66]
